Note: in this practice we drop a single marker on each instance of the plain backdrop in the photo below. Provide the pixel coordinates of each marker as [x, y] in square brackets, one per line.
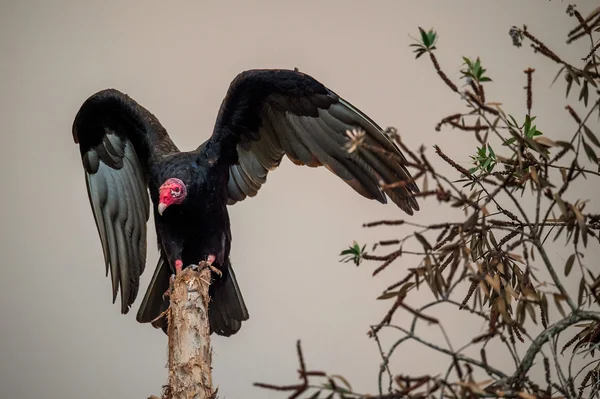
[60, 336]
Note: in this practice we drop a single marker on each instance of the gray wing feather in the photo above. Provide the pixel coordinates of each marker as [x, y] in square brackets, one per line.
[121, 209]
[120, 141]
[319, 139]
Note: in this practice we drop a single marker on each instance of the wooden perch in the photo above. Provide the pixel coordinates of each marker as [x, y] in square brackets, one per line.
[190, 354]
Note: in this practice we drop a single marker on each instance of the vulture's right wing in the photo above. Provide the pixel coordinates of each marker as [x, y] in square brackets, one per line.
[119, 140]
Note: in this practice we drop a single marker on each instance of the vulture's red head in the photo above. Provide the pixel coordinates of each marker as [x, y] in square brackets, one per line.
[172, 192]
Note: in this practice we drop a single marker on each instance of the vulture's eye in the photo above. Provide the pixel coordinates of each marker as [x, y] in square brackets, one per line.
[175, 191]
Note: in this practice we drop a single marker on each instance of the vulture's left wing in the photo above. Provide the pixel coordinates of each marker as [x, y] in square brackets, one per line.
[269, 113]
[119, 140]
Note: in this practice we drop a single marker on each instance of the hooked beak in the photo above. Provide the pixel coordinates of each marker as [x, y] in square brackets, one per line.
[161, 208]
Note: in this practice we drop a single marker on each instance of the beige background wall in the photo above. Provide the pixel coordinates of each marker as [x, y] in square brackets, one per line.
[60, 337]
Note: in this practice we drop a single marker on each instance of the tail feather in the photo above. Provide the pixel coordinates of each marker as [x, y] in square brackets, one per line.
[153, 303]
[226, 310]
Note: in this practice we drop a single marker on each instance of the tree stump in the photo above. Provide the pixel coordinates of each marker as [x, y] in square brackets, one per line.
[190, 353]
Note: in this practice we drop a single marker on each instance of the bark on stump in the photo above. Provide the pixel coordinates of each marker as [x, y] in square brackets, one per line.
[190, 353]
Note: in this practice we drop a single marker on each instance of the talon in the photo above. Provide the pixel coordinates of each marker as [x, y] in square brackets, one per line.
[210, 259]
[216, 270]
[205, 264]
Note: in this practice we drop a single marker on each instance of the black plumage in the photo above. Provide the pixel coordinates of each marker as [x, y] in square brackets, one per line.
[265, 115]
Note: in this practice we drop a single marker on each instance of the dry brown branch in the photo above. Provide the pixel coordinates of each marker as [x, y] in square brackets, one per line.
[190, 353]
[494, 259]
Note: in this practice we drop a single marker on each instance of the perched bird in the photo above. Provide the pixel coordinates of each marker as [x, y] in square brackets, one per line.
[265, 115]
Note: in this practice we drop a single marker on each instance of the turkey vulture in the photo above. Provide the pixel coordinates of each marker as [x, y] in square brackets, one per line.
[265, 115]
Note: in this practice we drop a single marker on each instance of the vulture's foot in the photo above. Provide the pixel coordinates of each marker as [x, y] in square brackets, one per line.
[208, 263]
[210, 259]
[216, 270]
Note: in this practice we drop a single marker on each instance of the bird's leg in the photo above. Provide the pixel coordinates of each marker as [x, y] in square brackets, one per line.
[210, 259]
[178, 266]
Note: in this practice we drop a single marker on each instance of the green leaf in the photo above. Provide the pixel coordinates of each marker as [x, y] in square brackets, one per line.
[527, 125]
[569, 264]
[424, 37]
[432, 36]
[533, 132]
[354, 253]
[487, 163]
[474, 70]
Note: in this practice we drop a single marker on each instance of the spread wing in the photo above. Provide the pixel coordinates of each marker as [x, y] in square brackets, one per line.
[270, 113]
[119, 140]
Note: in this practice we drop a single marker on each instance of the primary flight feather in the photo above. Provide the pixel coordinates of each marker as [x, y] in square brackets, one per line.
[266, 114]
